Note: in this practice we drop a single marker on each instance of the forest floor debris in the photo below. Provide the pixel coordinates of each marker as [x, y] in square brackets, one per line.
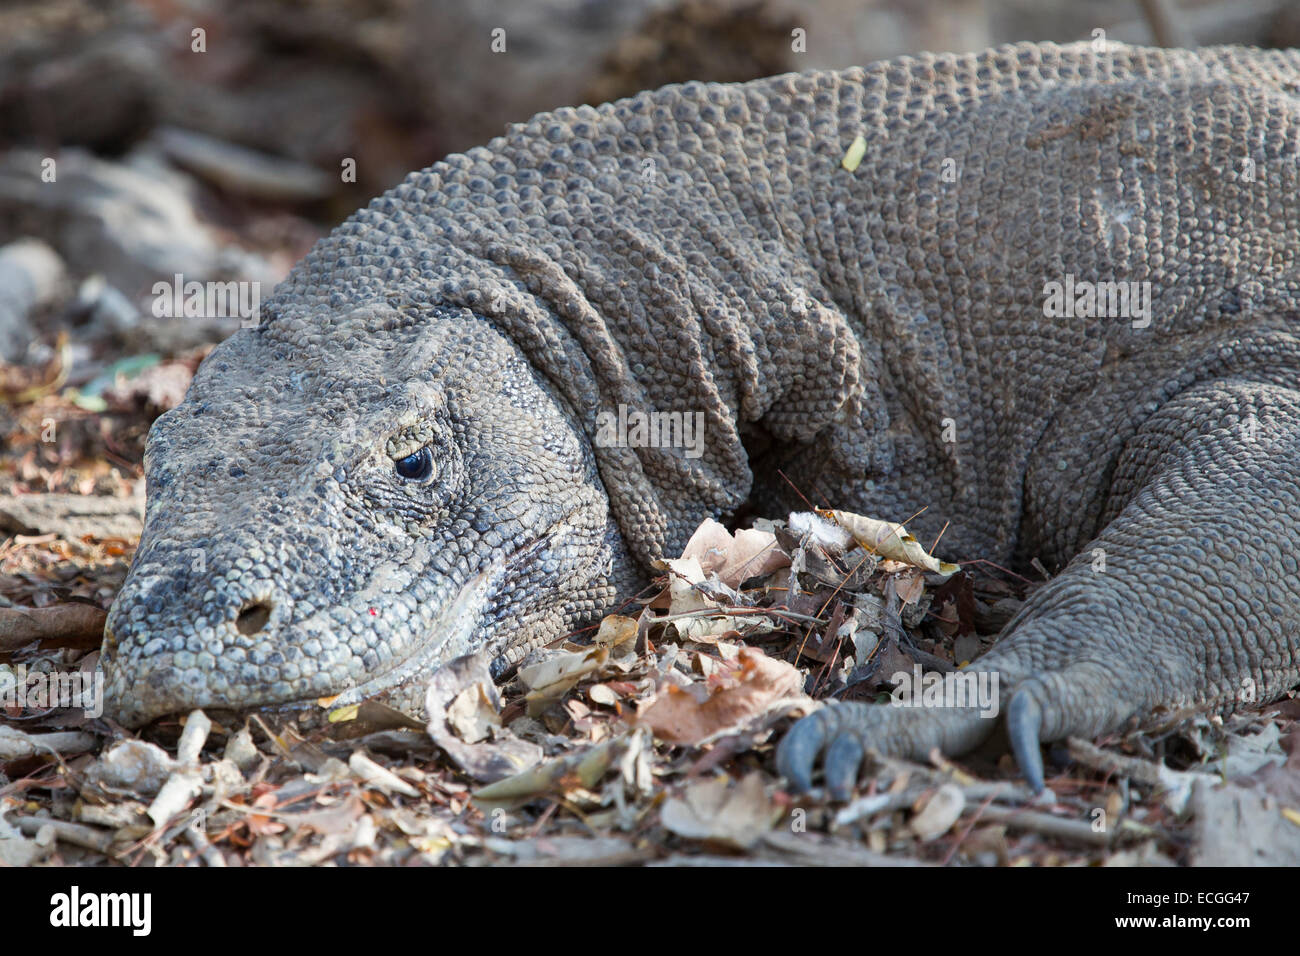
[646, 740]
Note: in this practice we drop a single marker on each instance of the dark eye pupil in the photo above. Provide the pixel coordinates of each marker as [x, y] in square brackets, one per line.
[416, 466]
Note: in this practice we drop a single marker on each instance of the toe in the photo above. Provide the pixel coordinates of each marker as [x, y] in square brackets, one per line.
[1024, 729]
[798, 751]
[843, 761]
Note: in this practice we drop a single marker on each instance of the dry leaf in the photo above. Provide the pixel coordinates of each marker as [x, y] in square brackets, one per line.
[708, 629]
[909, 585]
[683, 574]
[73, 625]
[472, 715]
[482, 761]
[550, 679]
[561, 775]
[890, 540]
[750, 553]
[940, 813]
[711, 810]
[690, 715]
[603, 694]
[615, 631]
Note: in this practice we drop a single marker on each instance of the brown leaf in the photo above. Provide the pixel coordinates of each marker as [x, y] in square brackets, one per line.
[956, 597]
[749, 553]
[680, 716]
[66, 625]
[910, 585]
[20, 384]
[616, 630]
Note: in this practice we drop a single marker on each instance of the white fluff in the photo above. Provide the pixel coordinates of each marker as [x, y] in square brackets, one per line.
[829, 536]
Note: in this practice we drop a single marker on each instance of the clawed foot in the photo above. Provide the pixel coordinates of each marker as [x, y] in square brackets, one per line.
[1080, 699]
[839, 735]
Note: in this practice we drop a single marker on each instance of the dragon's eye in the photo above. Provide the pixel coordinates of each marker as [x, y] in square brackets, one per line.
[416, 466]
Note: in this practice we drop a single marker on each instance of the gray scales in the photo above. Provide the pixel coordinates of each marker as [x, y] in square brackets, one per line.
[398, 465]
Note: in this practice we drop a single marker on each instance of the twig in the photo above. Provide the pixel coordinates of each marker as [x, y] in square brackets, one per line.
[1137, 770]
[75, 833]
[1078, 831]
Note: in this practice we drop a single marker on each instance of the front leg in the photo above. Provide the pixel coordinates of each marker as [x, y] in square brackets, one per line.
[1198, 604]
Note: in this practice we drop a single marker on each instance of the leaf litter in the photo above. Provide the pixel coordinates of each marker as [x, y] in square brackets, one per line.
[647, 740]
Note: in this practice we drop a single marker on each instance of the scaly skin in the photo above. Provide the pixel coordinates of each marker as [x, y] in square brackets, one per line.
[878, 335]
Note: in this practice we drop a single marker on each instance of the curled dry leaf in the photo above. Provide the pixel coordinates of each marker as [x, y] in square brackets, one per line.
[683, 575]
[709, 629]
[379, 777]
[890, 540]
[603, 694]
[692, 714]
[616, 630]
[561, 775]
[749, 553]
[481, 761]
[550, 679]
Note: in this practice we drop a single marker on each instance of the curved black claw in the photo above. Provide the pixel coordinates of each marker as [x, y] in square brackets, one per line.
[843, 760]
[798, 750]
[1024, 724]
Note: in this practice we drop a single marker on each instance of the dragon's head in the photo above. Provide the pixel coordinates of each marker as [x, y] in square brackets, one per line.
[344, 502]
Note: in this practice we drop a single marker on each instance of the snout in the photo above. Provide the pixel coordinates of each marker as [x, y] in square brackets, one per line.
[175, 641]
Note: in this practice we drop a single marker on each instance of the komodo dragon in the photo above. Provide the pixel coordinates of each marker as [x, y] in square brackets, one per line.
[400, 464]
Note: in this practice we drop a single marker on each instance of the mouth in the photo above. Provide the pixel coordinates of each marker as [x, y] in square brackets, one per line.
[453, 629]
[456, 631]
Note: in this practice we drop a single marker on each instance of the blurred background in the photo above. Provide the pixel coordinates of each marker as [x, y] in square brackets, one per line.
[144, 140]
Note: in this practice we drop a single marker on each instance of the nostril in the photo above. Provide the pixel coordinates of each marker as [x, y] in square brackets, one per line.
[253, 617]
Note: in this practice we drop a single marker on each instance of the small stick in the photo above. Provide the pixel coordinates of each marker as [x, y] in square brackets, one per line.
[77, 834]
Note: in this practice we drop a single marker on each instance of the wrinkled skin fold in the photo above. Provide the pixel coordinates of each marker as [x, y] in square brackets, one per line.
[880, 336]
